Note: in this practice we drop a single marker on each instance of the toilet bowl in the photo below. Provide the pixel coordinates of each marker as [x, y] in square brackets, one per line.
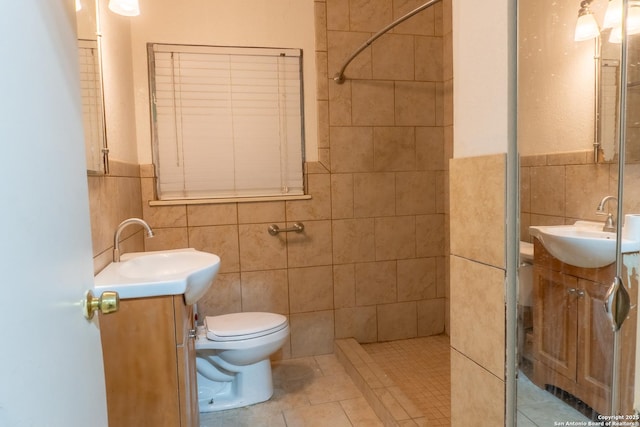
[232, 358]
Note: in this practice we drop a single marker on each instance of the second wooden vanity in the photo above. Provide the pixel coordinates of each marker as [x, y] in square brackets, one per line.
[149, 363]
[573, 338]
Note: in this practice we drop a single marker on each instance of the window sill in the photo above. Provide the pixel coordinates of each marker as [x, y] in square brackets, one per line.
[227, 200]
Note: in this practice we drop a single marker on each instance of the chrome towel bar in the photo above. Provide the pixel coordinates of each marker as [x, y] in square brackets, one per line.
[298, 227]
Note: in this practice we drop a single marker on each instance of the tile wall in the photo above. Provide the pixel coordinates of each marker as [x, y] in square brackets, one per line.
[478, 269]
[562, 188]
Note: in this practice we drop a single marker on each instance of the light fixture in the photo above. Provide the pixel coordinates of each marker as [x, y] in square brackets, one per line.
[125, 7]
[78, 5]
[633, 23]
[586, 26]
[613, 15]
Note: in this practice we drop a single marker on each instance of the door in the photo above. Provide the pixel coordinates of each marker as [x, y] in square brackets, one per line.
[51, 371]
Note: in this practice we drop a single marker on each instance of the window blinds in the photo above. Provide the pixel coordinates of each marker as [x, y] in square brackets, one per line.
[227, 121]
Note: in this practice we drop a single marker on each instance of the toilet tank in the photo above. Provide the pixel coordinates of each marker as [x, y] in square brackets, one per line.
[525, 274]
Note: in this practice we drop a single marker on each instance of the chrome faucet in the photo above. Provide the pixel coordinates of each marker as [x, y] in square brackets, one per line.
[122, 226]
[609, 223]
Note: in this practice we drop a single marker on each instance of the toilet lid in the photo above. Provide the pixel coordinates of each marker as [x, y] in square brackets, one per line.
[240, 326]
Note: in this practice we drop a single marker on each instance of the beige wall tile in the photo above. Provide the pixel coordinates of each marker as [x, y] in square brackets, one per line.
[376, 283]
[582, 198]
[548, 190]
[339, 103]
[415, 104]
[430, 235]
[320, 18]
[415, 193]
[475, 393]
[477, 313]
[310, 289]
[340, 46]
[218, 214]
[221, 240]
[417, 279]
[323, 122]
[338, 15]
[252, 213]
[367, 16]
[429, 59]
[311, 247]
[223, 297]
[631, 192]
[265, 291]
[351, 149]
[259, 250]
[374, 194]
[319, 207]
[431, 316]
[344, 285]
[167, 238]
[357, 322]
[394, 149]
[165, 216]
[341, 196]
[477, 187]
[373, 103]
[422, 24]
[397, 321]
[353, 240]
[395, 237]
[392, 57]
[430, 148]
[312, 333]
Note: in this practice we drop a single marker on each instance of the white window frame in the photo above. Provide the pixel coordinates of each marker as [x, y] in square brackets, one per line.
[227, 122]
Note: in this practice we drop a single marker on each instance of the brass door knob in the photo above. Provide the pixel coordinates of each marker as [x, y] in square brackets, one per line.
[108, 302]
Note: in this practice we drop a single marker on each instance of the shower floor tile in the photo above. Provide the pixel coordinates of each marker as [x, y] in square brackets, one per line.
[421, 368]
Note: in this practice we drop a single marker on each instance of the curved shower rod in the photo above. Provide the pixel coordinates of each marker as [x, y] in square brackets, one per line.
[339, 76]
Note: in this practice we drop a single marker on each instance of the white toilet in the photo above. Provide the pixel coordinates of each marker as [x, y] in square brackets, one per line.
[232, 358]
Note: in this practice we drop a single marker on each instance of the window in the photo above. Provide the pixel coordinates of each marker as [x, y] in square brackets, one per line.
[227, 122]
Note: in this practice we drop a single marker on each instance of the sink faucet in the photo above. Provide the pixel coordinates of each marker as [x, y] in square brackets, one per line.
[122, 226]
[609, 223]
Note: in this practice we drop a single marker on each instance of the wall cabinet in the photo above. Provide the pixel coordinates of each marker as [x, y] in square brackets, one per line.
[149, 363]
[573, 339]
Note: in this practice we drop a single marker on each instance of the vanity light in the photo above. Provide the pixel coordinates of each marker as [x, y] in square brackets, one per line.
[613, 15]
[78, 5]
[586, 27]
[633, 24]
[125, 7]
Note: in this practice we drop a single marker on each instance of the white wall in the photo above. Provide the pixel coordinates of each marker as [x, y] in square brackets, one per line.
[480, 77]
[265, 23]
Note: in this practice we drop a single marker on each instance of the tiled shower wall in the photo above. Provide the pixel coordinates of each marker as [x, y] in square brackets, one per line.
[371, 263]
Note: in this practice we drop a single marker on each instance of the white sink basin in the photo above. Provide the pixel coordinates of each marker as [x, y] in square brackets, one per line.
[146, 274]
[582, 244]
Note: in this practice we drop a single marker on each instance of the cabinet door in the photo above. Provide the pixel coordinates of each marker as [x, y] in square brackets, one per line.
[186, 353]
[555, 321]
[595, 341]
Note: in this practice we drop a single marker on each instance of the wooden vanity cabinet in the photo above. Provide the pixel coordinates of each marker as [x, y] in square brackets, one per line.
[149, 363]
[573, 338]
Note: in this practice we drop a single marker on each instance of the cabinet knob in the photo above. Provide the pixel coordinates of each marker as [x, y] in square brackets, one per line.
[571, 290]
[581, 293]
[192, 333]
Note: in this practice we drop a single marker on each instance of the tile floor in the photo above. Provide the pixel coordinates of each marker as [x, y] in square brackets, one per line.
[309, 392]
[420, 367]
[318, 391]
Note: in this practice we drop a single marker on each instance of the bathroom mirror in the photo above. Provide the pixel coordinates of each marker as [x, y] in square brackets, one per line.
[91, 85]
[607, 78]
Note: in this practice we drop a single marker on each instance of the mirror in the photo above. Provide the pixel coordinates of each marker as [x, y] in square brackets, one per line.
[608, 62]
[91, 85]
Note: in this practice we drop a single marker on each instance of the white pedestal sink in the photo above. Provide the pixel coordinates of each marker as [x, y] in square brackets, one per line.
[174, 272]
[582, 244]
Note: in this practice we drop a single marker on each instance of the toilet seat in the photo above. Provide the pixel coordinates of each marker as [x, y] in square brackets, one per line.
[243, 326]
